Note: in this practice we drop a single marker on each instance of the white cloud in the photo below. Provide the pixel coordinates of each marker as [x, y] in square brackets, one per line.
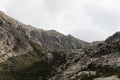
[86, 19]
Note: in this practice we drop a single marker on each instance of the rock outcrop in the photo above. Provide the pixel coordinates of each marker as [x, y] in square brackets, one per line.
[99, 63]
[54, 40]
[13, 38]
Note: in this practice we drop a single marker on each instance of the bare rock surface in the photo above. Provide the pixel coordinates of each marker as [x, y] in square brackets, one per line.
[28, 53]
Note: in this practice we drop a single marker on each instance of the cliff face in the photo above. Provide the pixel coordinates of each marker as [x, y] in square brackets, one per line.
[23, 57]
[56, 41]
[97, 63]
[23, 48]
[27, 53]
[50, 39]
[13, 38]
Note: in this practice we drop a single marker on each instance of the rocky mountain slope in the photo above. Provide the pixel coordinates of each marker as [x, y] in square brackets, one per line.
[13, 38]
[99, 63]
[23, 47]
[54, 40]
[27, 53]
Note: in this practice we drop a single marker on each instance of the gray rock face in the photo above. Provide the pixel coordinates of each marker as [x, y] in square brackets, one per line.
[54, 40]
[13, 39]
[114, 38]
[27, 53]
[17, 39]
[100, 63]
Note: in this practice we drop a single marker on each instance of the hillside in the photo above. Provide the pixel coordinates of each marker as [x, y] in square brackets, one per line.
[28, 53]
[23, 48]
[99, 63]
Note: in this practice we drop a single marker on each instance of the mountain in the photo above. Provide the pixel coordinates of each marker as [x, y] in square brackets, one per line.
[28, 53]
[13, 38]
[54, 40]
[23, 47]
[99, 63]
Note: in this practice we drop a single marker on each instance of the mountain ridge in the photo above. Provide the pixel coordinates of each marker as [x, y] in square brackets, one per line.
[28, 53]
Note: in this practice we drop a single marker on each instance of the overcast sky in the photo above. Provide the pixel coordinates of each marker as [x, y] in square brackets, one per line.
[89, 20]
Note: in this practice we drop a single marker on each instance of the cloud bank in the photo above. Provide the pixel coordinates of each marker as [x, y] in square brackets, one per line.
[89, 20]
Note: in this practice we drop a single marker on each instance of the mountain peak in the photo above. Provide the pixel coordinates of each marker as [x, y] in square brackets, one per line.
[115, 37]
[1, 13]
[5, 19]
[117, 34]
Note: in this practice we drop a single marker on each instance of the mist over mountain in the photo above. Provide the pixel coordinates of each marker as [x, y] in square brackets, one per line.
[28, 53]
